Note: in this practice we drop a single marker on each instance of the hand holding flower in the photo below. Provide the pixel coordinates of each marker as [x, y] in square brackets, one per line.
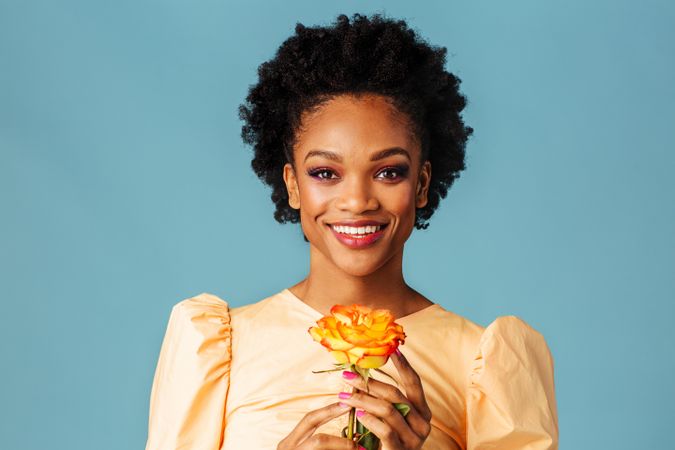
[361, 339]
[375, 408]
[303, 436]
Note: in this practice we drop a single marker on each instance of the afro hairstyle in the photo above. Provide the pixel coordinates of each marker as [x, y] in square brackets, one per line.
[361, 55]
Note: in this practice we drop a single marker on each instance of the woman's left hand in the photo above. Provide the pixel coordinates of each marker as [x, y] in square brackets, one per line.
[395, 431]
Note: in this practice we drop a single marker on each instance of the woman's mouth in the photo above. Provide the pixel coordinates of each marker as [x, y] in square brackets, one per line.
[358, 236]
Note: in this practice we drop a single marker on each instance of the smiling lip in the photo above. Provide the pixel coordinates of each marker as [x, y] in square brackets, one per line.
[358, 223]
[362, 241]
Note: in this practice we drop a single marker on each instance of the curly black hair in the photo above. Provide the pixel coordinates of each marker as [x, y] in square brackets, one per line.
[375, 55]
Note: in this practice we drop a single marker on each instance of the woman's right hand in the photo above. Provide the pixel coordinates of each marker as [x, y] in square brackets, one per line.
[303, 438]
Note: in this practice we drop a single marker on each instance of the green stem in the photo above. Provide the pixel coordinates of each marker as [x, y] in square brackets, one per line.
[350, 427]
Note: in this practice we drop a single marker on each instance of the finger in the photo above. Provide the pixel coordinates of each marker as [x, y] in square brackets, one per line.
[385, 412]
[321, 441]
[412, 383]
[378, 388]
[313, 420]
[386, 434]
[413, 422]
[418, 422]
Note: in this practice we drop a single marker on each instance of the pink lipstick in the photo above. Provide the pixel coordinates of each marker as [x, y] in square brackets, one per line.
[358, 234]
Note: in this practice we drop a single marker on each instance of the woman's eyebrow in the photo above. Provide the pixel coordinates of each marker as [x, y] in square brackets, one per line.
[375, 157]
[324, 153]
[390, 152]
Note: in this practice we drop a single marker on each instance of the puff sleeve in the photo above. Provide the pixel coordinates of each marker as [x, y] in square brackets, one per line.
[510, 398]
[189, 390]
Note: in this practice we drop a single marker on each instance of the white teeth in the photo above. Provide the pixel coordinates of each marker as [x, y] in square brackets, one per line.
[356, 230]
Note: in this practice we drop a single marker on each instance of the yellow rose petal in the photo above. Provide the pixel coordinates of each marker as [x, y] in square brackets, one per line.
[372, 362]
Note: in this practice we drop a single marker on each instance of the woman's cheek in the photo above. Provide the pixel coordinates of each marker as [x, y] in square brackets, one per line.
[401, 200]
[316, 198]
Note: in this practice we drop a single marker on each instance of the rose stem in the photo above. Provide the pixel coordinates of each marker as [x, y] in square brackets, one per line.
[350, 427]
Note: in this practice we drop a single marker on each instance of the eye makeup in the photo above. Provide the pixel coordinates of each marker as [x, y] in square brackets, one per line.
[319, 171]
[401, 170]
[325, 173]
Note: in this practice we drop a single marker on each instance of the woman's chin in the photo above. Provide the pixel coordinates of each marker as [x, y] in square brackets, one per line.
[359, 262]
[359, 265]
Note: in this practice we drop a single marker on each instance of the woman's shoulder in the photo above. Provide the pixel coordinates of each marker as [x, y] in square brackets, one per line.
[512, 325]
[511, 340]
[200, 303]
[203, 313]
[252, 308]
[206, 301]
[441, 325]
[504, 333]
[207, 313]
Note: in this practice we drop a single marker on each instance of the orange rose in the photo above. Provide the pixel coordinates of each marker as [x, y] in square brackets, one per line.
[359, 335]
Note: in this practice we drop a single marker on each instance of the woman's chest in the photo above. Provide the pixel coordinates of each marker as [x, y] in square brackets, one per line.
[272, 387]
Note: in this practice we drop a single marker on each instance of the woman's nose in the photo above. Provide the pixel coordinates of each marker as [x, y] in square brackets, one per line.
[356, 197]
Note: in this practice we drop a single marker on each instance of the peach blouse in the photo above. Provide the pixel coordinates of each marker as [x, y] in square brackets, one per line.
[242, 378]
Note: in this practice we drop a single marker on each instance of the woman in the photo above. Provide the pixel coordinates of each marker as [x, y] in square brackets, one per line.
[357, 129]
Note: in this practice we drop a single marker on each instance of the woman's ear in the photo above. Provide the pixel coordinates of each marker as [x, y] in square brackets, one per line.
[291, 186]
[423, 180]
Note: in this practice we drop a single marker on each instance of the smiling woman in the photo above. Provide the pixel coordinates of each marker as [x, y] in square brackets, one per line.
[357, 129]
[356, 164]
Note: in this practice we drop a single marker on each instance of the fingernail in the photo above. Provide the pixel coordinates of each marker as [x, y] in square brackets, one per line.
[344, 405]
[361, 447]
[344, 395]
[398, 352]
[360, 413]
[348, 375]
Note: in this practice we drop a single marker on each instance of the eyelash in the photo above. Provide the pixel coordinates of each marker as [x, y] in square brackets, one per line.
[401, 170]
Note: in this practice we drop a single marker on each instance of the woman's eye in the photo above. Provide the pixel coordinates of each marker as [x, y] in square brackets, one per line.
[388, 173]
[322, 174]
[392, 173]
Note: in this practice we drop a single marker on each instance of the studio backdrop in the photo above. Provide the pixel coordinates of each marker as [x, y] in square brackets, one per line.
[125, 187]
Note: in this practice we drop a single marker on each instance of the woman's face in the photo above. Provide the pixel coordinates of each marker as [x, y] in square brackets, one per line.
[357, 182]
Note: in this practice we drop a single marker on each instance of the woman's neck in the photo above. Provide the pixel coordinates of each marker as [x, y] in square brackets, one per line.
[327, 285]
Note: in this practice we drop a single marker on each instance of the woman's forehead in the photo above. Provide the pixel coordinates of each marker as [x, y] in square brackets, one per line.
[355, 124]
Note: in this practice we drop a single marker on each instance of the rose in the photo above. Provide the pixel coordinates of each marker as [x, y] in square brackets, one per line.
[360, 339]
[358, 335]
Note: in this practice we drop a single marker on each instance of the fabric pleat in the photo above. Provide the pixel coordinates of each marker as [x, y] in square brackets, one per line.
[510, 399]
[187, 403]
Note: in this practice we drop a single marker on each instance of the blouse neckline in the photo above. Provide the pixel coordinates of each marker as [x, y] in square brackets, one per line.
[313, 312]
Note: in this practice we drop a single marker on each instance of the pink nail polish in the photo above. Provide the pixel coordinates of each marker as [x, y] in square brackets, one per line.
[344, 405]
[361, 447]
[348, 375]
[360, 413]
[344, 395]
[398, 352]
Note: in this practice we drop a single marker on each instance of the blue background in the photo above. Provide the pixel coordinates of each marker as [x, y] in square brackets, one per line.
[125, 188]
